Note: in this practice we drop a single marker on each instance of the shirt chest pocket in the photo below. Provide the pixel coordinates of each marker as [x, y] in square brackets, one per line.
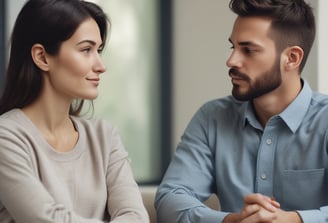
[303, 189]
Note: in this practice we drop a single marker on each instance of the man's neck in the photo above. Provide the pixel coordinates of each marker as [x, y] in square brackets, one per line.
[275, 102]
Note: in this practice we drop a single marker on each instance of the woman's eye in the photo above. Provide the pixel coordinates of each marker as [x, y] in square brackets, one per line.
[100, 50]
[86, 50]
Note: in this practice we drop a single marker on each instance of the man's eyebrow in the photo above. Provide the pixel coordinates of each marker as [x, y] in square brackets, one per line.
[245, 43]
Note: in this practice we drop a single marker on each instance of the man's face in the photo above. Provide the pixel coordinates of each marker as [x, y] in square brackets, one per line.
[254, 64]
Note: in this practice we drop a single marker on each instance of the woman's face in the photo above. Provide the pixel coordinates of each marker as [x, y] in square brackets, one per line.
[74, 72]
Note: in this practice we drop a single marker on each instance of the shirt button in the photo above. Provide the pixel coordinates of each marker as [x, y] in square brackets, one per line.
[269, 141]
[263, 176]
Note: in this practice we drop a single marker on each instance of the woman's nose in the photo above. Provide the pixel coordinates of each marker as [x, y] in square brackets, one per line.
[99, 65]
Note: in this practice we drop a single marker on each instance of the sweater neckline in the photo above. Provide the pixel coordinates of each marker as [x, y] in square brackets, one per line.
[52, 153]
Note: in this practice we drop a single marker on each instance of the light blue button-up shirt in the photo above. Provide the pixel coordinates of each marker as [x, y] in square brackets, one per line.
[225, 150]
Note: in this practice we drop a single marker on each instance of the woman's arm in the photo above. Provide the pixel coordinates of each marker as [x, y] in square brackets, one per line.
[125, 203]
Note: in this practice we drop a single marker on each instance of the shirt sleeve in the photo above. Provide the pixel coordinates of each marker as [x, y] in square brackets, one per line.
[125, 204]
[318, 215]
[314, 216]
[189, 179]
[21, 192]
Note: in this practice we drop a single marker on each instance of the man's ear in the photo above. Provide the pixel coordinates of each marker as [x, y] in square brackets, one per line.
[293, 58]
[39, 57]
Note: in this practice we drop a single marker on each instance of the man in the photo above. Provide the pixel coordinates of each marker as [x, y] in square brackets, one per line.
[263, 150]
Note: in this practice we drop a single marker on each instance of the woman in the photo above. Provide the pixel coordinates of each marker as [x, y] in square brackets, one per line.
[54, 165]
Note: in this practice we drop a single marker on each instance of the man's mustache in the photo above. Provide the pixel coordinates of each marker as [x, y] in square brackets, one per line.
[236, 73]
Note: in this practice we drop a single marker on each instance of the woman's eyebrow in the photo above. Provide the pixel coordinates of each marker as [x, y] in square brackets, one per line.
[87, 41]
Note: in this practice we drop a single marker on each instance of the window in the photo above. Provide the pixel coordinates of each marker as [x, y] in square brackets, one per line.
[135, 90]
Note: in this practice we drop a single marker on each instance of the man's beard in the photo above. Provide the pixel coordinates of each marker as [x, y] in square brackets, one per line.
[265, 83]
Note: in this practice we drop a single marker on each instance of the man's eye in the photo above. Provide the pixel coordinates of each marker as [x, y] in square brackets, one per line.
[248, 50]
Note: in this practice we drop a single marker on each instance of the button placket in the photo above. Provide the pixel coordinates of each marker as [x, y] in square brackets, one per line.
[265, 162]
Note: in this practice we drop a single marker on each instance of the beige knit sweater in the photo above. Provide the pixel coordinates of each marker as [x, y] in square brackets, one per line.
[86, 185]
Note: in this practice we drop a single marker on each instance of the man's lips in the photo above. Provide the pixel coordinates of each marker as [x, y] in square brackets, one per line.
[237, 76]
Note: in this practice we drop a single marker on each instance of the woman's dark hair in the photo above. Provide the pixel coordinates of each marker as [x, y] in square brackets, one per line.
[47, 22]
[293, 22]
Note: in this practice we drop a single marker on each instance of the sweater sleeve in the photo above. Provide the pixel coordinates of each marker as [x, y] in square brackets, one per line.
[21, 192]
[125, 203]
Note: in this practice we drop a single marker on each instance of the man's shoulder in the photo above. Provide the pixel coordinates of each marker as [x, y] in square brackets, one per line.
[223, 108]
[319, 99]
[224, 103]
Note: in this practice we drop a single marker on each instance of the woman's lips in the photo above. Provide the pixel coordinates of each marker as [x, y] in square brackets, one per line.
[94, 80]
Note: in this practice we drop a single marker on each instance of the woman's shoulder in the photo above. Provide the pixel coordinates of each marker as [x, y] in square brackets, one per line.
[16, 131]
[12, 119]
[100, 133]
[93, 124]
[95, 127]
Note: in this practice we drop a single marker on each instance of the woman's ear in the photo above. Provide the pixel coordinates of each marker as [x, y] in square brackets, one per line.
[294, 56]
[39, 57]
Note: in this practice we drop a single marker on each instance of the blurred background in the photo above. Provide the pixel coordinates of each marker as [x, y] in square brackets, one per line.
[164, 59]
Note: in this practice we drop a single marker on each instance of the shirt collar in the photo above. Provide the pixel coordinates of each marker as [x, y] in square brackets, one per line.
[295, 112]
[292, 115]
